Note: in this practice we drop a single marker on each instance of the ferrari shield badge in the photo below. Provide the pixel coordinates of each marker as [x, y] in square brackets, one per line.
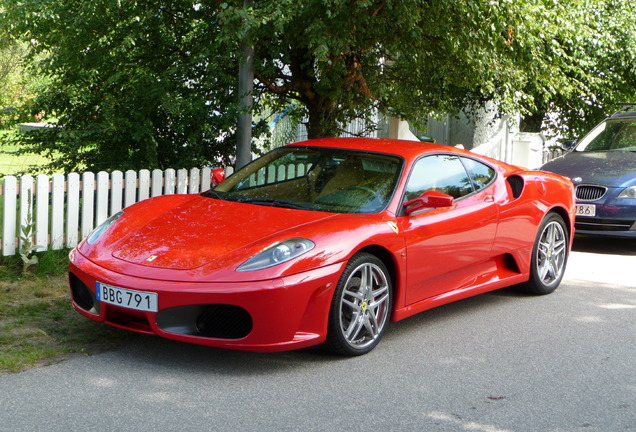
[151, 258]
[393, 226]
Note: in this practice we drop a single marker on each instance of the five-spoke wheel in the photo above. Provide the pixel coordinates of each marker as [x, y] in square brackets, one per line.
[549, 255]
[361, 306]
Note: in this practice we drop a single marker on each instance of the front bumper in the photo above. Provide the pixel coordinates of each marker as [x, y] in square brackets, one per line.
[606, 227]
[271, 315]
[615, 217]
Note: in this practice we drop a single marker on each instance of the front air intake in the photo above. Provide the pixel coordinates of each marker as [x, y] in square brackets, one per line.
[82, 296]
[224, 322]
[220, 321]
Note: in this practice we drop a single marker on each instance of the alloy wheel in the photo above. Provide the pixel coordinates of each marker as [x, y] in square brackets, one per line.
[551, 253]
[364, 305]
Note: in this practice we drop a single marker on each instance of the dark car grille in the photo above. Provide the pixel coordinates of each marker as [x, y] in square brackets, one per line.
[224, 322]
[82, 296]
[221, 321]
[590, 193]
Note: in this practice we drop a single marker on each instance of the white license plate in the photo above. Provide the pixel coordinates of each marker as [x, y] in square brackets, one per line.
[585, 210]
[131, 299]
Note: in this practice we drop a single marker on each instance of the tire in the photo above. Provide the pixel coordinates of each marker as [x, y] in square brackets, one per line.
[361, 306]
[549, 256]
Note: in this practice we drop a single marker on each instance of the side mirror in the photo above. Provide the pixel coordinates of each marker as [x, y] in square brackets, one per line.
[569, 144]
[217, 176]
[429, 199]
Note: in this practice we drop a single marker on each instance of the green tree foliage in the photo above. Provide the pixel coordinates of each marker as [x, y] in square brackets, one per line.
[412, 58]
[153, 83]
[135, 83]
[10, 66]
[13, 84]
[596, 60]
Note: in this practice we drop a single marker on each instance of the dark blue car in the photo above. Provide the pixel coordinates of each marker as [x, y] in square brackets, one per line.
[602, 167]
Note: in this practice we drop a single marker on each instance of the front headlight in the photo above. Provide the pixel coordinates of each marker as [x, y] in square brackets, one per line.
[97, 232]
[277, 253]
[629, 192]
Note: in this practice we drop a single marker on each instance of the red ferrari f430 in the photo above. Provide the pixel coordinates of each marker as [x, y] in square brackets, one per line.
[325, 242]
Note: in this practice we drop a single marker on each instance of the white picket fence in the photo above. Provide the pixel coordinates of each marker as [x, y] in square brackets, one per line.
[61, 210]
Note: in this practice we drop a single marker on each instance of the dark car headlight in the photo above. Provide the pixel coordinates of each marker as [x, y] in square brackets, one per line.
[277, 253]
[97, 232]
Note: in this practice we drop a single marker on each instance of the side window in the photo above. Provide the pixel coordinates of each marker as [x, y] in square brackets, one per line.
[481, 175]
[441, 173]
[626, 139]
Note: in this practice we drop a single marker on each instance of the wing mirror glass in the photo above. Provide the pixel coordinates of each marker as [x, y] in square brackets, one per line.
[429, 199]
[217, 176]
[569, 144]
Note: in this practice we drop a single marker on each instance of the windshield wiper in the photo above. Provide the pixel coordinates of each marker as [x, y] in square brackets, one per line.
[271, 203]
[212, 194]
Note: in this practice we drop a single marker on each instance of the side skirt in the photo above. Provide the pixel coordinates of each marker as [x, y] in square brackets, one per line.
[483, 284]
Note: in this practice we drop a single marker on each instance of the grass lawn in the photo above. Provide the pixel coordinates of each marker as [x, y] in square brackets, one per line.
[10, 164]
[38, 325]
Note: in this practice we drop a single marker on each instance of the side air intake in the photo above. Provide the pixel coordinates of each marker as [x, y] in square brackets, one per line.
[516, 185]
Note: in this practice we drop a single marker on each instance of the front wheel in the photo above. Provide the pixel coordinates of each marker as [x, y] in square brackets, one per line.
[361, 306]
[549, 256]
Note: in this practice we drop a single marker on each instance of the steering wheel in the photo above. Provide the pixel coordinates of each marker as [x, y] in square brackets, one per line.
[362, 188]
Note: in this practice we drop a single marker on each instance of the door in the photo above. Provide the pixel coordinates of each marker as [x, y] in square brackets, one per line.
[448, 248]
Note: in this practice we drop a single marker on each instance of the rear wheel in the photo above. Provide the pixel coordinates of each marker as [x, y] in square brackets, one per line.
[361, 306]
[549, 256]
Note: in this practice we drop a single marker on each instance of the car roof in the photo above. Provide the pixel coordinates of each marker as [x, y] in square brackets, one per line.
[407, 149]
[628, 111]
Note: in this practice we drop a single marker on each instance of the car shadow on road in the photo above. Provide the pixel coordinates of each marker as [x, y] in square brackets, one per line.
[481, 304]
[190, 358]
[169, 354]
[249, 363]
[603, 245]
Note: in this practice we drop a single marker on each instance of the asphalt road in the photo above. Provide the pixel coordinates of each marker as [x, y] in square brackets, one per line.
[497, 362]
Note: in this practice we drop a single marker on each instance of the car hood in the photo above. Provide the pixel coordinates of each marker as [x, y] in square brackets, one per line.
[613, 168]
[200, 231]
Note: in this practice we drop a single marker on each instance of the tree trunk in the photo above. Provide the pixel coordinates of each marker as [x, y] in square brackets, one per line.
[246, 87]
[322, 118]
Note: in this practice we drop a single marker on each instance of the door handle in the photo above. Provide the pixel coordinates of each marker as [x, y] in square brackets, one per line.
[489, 198]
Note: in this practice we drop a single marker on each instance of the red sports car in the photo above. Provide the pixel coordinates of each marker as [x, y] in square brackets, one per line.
[325, 241]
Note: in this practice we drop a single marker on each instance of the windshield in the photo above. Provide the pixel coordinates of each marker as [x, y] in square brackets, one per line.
[611, 135]
[314, 178]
